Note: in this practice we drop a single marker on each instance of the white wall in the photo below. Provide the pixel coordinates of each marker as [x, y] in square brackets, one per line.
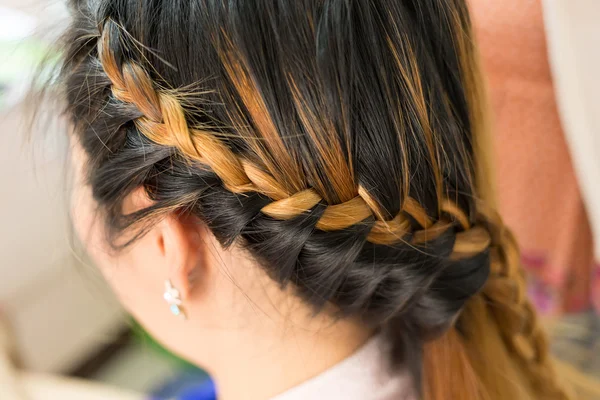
[59, 310]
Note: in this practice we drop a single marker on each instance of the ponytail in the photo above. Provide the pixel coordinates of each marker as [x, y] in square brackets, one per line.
[497, 349]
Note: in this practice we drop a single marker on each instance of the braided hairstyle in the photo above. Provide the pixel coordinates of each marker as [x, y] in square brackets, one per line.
[340, 142]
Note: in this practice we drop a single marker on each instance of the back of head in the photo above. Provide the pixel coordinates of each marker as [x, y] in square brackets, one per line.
[340, 143]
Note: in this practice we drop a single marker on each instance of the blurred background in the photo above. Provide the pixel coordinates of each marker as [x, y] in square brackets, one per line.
[57, 318]
[56, 314]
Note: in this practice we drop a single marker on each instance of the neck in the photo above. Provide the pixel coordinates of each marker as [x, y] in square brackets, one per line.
[257, 340]
[259, 367]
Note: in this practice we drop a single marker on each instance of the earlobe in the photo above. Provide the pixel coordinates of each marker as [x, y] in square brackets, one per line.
[172, 296]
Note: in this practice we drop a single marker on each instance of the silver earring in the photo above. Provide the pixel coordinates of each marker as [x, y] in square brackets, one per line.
[173, 298]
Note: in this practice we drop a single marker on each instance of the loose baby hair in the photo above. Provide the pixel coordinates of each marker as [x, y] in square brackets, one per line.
[342, 143]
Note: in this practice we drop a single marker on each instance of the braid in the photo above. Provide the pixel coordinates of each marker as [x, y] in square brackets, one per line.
[163, 121]
[448, 254]
[506, 292]
[506, 289]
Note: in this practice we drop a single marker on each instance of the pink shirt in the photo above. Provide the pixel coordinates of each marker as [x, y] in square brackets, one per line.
[538, 190]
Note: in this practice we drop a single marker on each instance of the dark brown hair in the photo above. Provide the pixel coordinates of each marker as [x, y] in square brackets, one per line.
[339, 142]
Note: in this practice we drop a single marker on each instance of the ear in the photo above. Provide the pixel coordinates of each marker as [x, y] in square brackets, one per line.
[180, 241]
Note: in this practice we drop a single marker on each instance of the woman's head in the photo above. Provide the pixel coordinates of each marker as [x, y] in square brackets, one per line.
[324, 151]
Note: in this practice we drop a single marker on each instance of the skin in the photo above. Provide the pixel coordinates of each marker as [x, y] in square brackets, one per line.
[255, 339]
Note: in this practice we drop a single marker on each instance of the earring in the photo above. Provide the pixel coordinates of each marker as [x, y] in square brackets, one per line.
[173, 298]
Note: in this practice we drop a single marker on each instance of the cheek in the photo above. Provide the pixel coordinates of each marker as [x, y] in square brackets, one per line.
[89, 226]
[131, 272]
[135, 274]
[116, 267]
[84, 213]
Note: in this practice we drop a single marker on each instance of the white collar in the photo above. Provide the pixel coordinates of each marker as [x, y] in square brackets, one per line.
[362, 376]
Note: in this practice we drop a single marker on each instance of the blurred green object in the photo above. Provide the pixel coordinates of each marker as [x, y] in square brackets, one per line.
[19, 56]
[23, 63]
[146, 339]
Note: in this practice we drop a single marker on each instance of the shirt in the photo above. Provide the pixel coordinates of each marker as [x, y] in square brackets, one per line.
[365, 375]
